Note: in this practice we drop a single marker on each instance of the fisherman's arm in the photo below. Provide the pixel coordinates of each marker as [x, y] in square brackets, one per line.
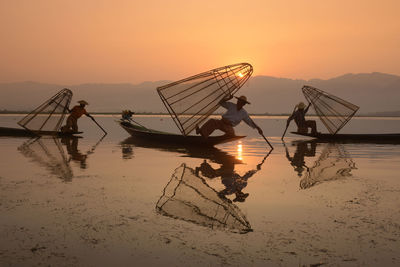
[305, 111]
[291, 117]
[87, 114]
[90, 116]
[224, 100]
[252, 124]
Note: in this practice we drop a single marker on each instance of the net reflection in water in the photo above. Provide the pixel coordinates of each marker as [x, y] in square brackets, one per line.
[333, 164]
[48, 152]
[188, 197]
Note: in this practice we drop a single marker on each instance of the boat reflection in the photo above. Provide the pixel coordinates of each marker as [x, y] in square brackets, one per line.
[214, 154]
[334, 163]
[48, 152]
[188, 197]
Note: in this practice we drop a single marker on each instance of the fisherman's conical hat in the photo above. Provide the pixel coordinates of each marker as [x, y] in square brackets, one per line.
[83, 102]
[301, 105]
[243, 98]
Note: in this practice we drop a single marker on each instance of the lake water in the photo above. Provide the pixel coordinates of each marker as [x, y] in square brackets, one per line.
[107, 200]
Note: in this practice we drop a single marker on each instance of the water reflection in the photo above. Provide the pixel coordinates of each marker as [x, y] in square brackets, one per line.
[303, 149]
[233, 182]
[188, 197]
[48, 152]
[334, 163]
[214, 154]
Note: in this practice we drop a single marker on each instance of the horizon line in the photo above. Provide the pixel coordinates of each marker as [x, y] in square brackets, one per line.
[156, 81]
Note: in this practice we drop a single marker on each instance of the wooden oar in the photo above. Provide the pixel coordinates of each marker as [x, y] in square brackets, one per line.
[263, 135]
[287, 125]
[98, 125]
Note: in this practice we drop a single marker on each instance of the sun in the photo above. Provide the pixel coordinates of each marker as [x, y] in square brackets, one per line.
[241, 75]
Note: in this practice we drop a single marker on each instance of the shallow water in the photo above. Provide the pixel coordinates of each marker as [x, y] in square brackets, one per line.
[109, 200]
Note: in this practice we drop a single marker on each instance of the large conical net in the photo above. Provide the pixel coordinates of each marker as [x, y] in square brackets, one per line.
[190, 101]
[49, 115]
[188, 197]
[333, 111]
[333, 164]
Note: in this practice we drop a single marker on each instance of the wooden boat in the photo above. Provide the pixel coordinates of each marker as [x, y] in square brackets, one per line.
[335, 113]
[6, 131]
[391, 138]
[142, 133]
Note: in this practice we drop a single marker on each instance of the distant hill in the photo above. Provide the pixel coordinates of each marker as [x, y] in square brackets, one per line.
[373, 92]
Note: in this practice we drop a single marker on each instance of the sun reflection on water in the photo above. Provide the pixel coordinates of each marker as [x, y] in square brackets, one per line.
[240, 151]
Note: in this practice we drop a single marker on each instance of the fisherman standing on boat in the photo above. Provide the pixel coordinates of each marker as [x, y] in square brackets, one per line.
[233, 116]
[299, 117]
[75, 113]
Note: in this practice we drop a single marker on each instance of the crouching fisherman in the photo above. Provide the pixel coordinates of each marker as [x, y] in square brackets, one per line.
[127, 115]
[298, 116]
[233, 116]
[75, 113]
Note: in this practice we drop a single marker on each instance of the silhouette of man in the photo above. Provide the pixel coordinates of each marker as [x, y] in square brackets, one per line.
[235, 113]
[299, 118]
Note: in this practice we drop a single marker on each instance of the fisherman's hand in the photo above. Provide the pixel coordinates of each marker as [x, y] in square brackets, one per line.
[260, 131]
[259, 166]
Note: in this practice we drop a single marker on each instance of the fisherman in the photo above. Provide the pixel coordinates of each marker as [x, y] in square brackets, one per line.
[233, 116]
[127, 115]
[75, 113]
[299, 117]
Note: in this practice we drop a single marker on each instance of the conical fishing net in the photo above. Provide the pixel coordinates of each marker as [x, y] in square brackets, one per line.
[188, 197]
[333, 164]
[333, 111]
[190, 101]
[49, 115]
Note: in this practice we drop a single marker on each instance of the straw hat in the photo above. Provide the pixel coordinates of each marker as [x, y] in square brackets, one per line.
[301, 105]
[243, 98]
[83, 102]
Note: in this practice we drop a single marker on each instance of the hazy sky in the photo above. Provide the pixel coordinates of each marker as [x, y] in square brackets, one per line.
[78, 41]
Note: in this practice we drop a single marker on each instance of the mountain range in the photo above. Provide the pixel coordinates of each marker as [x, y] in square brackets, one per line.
[375, 93]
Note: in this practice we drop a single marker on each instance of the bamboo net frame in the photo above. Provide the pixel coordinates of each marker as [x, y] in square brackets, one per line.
[49, 115]
[333, 111]
[191, 100]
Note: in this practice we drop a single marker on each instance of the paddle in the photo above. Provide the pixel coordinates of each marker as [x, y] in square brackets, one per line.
[287, 125]
[263, 135]
[98, 125]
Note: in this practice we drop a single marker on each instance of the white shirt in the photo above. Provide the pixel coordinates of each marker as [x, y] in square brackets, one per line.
[235, 116]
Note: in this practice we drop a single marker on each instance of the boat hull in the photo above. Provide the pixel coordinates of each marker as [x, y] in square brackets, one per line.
[145, 134]
[392, 138]
[6, 131]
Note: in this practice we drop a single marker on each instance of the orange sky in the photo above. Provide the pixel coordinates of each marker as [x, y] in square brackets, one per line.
[79, 41]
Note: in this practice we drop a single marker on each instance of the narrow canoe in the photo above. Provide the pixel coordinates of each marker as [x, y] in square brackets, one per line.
[6, 131]
[391, 138]
[170, 138]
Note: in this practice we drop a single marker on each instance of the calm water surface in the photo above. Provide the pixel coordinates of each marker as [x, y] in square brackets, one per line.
[100, 200]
